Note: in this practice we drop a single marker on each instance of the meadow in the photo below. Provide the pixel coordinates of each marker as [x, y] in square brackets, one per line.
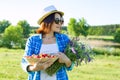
[101, 68]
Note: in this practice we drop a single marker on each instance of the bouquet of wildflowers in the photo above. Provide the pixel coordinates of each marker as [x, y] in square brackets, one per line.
[77, 52]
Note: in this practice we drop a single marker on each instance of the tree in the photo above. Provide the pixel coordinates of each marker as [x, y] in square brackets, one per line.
[72, 27]
[83, 27]
[12, 36]
[26, 28]
[76, 28]
[3, 25]
[117, 35]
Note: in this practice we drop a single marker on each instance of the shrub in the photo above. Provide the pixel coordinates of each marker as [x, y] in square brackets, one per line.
[23, 43]
[107, 51]
[12, 36]
[1, 43]
[100, 51]
[117, 35]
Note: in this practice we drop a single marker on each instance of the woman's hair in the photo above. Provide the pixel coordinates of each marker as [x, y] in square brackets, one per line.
[46, 24]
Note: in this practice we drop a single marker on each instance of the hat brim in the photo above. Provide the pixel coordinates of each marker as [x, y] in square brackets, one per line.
[47, 14]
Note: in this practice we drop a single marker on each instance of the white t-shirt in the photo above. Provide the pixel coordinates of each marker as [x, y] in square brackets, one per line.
[48, 48]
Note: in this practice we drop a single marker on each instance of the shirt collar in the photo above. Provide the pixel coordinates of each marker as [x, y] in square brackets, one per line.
[57, 35]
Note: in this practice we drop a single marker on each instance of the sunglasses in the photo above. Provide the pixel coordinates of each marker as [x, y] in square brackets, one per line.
[57, 21]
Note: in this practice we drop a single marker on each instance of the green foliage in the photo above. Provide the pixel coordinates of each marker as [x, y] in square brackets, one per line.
[76, 28]
[3, 25]
[72, 27]
[23, 43]
[96, 31]
[1, 43]
[117, 35]
[83, 27]
[64, 31]
[12, 36]
[26, 28]
[103, 29]
[107, 51]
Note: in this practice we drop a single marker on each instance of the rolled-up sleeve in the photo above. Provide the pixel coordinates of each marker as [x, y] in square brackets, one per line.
[70, 68]
[28, 52]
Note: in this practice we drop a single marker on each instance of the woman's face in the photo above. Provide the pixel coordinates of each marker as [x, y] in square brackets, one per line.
[58, 21]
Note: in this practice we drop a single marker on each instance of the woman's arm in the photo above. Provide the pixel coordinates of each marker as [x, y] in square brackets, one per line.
[64, 59]
[40, 66]
[28, 52]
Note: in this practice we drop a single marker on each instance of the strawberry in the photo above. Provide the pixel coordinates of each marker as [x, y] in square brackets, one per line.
[44, 55]
[37, 56]
[52, 56]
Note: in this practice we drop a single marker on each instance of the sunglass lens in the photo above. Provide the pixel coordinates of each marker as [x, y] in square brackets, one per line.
[62, 21]
[57, 21]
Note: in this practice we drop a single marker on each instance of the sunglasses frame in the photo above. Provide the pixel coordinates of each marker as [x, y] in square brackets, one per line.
[57, 21]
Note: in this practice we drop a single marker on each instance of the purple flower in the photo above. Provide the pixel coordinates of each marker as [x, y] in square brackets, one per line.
[71, 43]
[88, 57]
[78, 52]
[73, 50]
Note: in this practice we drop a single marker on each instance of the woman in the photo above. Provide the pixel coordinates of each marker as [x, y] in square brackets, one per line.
[48, 40]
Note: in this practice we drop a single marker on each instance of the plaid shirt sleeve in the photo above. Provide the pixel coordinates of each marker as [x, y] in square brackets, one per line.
[32, 47]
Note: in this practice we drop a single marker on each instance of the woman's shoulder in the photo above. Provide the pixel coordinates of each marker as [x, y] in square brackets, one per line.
[35, 36]
[61, 35]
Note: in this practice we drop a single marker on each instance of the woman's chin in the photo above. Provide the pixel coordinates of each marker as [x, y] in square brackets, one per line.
[57, 31]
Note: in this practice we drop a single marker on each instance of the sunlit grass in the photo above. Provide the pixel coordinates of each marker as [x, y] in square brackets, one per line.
[10, 64]
[101, 68]
[101, 37]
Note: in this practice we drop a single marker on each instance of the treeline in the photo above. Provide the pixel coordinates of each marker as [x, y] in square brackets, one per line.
[103, 29]
[16, 35]
[100, 29]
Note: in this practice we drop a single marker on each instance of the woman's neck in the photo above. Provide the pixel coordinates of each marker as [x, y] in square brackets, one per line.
[49, 38]
[50, 35]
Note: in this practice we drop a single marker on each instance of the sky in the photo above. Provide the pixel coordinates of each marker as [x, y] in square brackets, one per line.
[95, 12]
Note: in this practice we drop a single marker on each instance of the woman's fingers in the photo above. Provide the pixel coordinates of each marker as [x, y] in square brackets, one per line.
[62, 58]
[47, 64]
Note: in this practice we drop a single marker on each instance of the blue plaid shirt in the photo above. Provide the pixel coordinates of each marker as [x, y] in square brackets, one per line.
[33, 46]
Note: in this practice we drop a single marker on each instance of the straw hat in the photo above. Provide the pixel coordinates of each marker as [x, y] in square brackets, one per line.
[47, 11]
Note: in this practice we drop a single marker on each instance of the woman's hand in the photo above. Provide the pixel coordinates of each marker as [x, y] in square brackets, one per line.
[40, 65]
[63, 59]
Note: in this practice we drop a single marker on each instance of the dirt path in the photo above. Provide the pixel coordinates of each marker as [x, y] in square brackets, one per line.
[101, 43]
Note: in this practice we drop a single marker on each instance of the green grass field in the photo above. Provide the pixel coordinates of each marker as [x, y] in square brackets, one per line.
[102, 67]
